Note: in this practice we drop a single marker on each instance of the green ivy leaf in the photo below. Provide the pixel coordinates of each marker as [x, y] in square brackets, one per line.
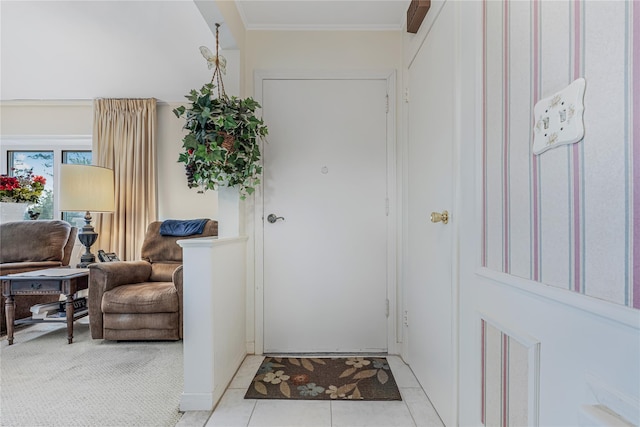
[179, 111]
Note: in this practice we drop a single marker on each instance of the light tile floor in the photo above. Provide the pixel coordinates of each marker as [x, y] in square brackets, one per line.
[234, 410]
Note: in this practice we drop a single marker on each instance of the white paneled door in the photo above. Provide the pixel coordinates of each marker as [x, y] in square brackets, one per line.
[325, 183]
[429, 292]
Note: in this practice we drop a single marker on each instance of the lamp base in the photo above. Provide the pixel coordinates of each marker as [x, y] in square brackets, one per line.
[87, 237]
[85, 260]
[84, 264]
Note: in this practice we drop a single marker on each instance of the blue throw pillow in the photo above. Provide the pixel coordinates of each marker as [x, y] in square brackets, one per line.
[181, 228]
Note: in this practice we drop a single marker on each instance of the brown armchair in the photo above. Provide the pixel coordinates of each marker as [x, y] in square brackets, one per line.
[33, 245]
[141, 300]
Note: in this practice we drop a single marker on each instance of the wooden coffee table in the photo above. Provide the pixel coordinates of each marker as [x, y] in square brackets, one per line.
[66, 281]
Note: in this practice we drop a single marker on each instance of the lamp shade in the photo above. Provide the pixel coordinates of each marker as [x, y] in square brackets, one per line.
[86, 188]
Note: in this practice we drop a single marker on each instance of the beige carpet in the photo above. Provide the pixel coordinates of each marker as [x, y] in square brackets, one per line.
[46, 382]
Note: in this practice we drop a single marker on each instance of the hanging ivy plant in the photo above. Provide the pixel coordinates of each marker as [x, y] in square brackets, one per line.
[222, 143]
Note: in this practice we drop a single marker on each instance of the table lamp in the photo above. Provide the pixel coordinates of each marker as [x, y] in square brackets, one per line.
[86, 188]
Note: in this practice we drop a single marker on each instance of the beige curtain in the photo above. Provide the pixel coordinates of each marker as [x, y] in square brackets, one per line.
[124, 139]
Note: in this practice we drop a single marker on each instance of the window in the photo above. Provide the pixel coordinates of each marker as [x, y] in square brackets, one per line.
[76, 158]
[44, 156]
[41, 163]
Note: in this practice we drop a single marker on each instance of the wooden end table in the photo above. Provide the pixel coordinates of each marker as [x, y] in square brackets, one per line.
[66, 281]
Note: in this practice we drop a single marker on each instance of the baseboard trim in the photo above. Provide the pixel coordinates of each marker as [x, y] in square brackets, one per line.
[196, 402]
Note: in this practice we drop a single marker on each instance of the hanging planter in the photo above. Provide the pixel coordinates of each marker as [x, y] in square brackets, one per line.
[221, 147]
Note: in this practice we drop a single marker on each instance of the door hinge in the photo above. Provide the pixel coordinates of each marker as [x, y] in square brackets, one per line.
[406, 94]
[387, 307]
[387, 206]
[386, 105]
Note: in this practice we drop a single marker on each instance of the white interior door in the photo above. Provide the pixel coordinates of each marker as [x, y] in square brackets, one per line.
[325, 262]
[429, 295]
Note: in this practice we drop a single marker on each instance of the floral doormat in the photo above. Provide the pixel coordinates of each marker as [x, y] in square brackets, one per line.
[356, 378]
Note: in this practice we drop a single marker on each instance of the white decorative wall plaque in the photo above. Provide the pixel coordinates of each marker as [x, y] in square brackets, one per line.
[559, 118]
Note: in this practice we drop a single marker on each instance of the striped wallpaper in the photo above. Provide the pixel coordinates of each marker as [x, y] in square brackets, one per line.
[570, 217]
[506, 380]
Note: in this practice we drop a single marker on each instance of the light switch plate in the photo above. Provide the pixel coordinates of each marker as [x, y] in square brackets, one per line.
[559, 118]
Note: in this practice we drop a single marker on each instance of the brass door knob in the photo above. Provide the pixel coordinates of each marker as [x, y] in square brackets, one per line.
[437, 217]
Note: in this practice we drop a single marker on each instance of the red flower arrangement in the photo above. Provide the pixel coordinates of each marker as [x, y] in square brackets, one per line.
[22, 187]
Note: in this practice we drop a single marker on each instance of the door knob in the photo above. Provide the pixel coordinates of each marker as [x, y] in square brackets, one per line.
[272, 218]
[437, 217]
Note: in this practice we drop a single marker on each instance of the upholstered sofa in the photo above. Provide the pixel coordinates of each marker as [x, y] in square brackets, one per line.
[33, 245]
[141, 300]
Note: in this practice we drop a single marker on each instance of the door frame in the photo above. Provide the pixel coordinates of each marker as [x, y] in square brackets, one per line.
[255, 222]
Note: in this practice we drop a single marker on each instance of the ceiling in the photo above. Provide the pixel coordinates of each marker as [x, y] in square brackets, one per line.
[67, 49]
[323, 14]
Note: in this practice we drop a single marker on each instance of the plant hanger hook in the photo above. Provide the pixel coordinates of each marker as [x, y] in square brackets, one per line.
[217, 74]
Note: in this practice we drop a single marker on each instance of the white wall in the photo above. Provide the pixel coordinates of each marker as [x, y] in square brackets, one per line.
[88, 49]
[214, 344]
[320, 51]
[46, 118]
